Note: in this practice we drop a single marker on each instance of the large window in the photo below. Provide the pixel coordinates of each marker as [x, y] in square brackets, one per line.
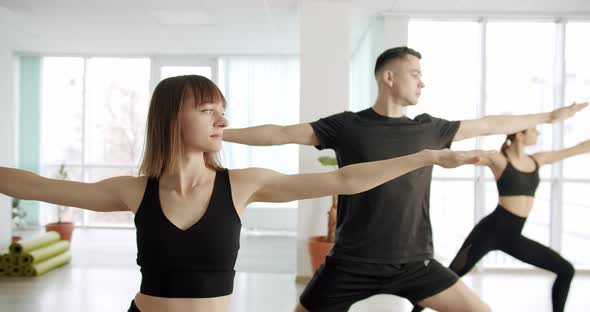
[576, 176]
[93, 122]
[476, 68]
[519, 80]
[455, 97]
[262, 91]
[171, 71]
[94, 112]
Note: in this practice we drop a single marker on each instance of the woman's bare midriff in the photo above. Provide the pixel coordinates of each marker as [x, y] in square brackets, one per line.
[147, 303]
[518, 205]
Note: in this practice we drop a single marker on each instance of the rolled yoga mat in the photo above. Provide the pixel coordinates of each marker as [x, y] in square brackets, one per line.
[47, 265]
[44, 253]
[15, 270]
[10, 259]
[26, 245]
[4, 261]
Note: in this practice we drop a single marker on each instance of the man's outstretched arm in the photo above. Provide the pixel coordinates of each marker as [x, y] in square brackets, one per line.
[273, 135]
[507, 124]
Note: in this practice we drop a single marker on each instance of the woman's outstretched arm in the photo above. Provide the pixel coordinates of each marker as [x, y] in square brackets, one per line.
[550, 157]
[105, 195]
[263, 185]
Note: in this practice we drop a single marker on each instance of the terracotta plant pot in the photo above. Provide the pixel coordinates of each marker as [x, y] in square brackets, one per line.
[318, 249]
[332, 218]
[64, 229]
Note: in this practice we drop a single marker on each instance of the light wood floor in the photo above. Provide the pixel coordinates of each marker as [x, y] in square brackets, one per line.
[103, 277]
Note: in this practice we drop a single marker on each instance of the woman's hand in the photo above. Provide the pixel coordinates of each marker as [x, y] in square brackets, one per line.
[447, 158]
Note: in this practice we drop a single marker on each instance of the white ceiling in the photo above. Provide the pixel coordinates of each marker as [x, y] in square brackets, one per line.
[214, 26]
[148, 13]
[137, 26]
[34, 5]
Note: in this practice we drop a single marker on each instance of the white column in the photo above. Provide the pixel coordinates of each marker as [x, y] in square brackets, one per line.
[556, 222]
[8, 128]
[377, 33]
[325, 70]
[396, 31]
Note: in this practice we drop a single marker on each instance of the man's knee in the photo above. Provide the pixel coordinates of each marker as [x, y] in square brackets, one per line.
[474, 307]
[300, 308]
[485, 307]
[480, 307]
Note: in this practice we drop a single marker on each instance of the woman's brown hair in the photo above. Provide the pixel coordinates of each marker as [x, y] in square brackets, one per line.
[163, 141]
[509, 139]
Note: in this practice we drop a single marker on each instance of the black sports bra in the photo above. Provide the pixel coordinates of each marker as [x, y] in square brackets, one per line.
[194, 263]
[514, 182]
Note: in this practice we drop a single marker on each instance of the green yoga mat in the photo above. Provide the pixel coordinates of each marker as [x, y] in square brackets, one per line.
[47, 265]
[4, 260]
[9, 260]
[26, 245]
[44, 253]
[15, 270]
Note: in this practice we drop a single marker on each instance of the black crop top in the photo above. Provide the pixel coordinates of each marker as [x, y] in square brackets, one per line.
[194, 263]
[513, 182]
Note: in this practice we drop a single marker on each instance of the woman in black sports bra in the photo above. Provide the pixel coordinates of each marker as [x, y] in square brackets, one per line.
[188, 207]
[517, 178]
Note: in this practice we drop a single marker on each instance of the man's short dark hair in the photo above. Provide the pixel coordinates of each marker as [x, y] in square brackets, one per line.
[392, 54]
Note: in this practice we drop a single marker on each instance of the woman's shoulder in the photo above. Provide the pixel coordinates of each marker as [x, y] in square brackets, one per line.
[131, 189]
[497, 162]
[250, 173]
[130, 181]
[251, 178]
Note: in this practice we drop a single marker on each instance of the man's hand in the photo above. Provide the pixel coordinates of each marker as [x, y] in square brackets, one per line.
[585, 146]
[563, 113]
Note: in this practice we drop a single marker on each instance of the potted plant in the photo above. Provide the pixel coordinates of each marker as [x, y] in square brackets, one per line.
[320, 246]
[18, 217]
[64, 228]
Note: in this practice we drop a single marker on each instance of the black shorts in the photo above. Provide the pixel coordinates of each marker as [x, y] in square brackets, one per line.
[338, 283]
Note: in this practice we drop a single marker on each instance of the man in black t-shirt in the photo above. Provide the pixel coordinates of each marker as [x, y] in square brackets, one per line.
[384, 238]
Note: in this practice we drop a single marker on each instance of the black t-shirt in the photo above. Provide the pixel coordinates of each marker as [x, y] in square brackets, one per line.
[390, 223]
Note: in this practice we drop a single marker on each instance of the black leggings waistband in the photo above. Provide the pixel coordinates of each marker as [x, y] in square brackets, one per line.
[503, 221]
[505, 212]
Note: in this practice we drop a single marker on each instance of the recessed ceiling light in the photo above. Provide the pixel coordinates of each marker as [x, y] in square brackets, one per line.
[175, 17]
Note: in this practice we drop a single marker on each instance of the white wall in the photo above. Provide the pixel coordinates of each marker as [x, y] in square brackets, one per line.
[325, 61]
[8, 126]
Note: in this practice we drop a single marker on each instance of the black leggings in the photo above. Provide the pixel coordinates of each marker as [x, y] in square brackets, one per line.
[501, 230]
